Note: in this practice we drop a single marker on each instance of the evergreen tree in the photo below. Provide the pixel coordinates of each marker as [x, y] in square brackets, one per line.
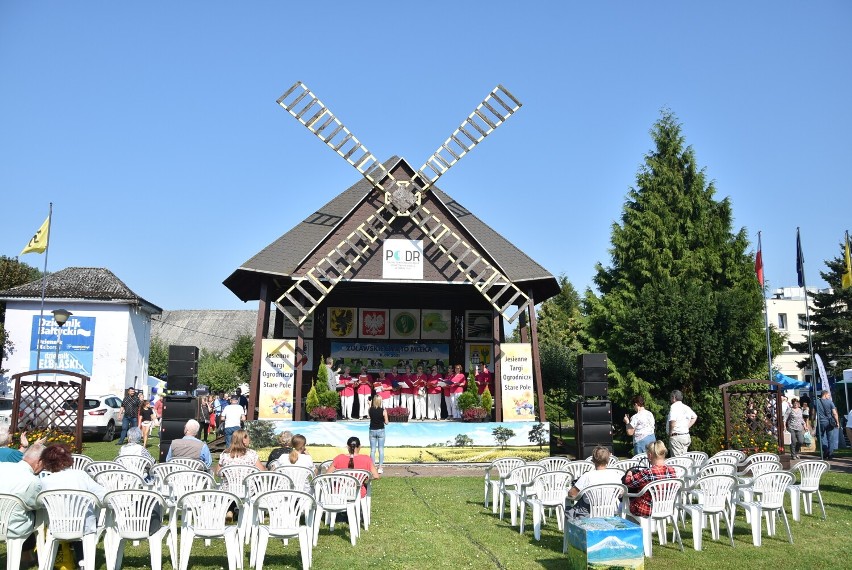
[241, 355]
[679, 307]
[831, 321]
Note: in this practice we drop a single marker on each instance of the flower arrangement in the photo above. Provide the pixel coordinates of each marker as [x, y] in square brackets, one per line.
[398, 414]
[475, 414]
[323, 414]
[49, 435]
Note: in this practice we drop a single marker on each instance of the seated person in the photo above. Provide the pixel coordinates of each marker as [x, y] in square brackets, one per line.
[21, 480]
[190, 446]
[597, 476]
[133, 447]
[285, 446]
[8, 454]
[636, 478]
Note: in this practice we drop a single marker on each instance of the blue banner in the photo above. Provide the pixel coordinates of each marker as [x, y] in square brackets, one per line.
[70, 347]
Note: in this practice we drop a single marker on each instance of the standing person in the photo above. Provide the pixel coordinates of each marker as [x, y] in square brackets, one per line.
[680, 419]
[365, 387]
[332, 374]
[433, 395]
[130, 404]
[243, 401]
[158, 405]
[396, 400]
[796, 427]
[206, 411]
[190, 446]
[378, 421]
[806, 414]
[232, 418]
[640, 426]
[828, 424]
[407, 391]
[347, 393]
[354, 460]
[21, 480]
[384, 389]
[636, 478]
[419, 394]
[146, 420]
[484, 380]
[457, 382]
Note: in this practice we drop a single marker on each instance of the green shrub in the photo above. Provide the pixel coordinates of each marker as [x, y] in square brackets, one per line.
[312, 399]
[329, 399]
[467, 400]
[487, 400]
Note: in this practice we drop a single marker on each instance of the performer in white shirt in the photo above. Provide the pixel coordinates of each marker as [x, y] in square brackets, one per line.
[680, 419]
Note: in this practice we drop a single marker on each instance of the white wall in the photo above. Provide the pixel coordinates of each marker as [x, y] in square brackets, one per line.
[120, 349]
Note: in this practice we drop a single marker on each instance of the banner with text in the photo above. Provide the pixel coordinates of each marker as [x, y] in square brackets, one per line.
[386, 355]
[516, 380]
[275, 397]
[402, 258]
[69, 347]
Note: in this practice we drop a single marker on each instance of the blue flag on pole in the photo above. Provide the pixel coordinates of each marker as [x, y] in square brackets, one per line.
[800, 260]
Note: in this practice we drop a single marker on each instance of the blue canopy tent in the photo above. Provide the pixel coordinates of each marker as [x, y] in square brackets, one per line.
[791, 383]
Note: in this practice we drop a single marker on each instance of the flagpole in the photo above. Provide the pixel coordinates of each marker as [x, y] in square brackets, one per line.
[765, 307]
[800, 269]
[43, 289]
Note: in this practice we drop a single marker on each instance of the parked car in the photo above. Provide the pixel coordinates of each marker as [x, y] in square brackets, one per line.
[102, 415]
[6, 411]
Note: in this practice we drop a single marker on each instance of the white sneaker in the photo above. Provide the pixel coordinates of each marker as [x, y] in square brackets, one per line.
[381, 470]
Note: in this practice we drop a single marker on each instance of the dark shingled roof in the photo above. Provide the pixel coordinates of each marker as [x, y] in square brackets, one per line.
[284, 255]
[79, 283]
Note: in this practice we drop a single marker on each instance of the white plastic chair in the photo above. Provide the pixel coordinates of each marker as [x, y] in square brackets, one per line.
[736, 453]
[323, 466]
[132, 516]
[256, 484]
[300, 476]
[80, 461]
[364, 502]
[605, 500]
[725, 459]
[8, 505]
[626, 464]
[642, 458]
[682, 461]
[548, 491]
[67, 510]
[158, 476]
[554, 463]
[136, 463]
[96, 467]
[203, 515]
[665, 496]
[119, 480]
[177, 484]
[334, 494]
[769, 489]
[494, 485]
[232, 478]
[714, 495]
[810, 472]
[698, 459]
[284, 511]
[578, 468]
[189, 463]
[513, 487]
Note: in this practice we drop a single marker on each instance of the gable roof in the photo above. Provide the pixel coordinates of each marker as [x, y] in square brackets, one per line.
[80, 284]
[212, 330]
[282, 257]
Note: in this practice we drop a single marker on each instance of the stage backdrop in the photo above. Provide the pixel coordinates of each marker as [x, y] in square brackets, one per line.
[517, 382]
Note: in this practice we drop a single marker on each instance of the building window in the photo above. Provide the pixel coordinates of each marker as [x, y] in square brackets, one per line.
[782, 321]
[803, 322]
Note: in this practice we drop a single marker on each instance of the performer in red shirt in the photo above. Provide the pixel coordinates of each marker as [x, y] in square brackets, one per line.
[394, 377]
[347, 393]
[408, 391]
[485, 379]
[457, 381]
[433, 395]
[383, 387]
[420, 394]
[364, 388]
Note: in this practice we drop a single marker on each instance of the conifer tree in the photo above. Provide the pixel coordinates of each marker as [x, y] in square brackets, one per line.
[679, 306]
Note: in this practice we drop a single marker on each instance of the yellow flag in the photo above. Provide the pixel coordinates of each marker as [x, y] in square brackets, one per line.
[38, 243]
[846, 281]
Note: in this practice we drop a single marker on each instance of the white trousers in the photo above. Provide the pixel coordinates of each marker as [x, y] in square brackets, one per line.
[434, 411]
[346, 406]
[363, 405]
[420, 406]
[452, 406]
[388, 402]
[408, 402]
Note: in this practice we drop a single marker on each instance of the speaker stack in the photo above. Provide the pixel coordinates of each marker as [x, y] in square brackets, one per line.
[183, 368]
[594, 410]
[177, 409]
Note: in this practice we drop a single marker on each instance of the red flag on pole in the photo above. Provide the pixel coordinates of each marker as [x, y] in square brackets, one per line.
[758, 262]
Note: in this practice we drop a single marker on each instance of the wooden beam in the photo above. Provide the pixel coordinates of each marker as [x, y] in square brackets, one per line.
[536, 355]
[260, 332]
[498, 385]
[297, 391]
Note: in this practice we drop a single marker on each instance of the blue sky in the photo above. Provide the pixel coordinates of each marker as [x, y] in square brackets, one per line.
[153, 126]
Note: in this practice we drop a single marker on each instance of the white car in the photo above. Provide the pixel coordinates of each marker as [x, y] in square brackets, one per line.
[6, 411]
[101, 415]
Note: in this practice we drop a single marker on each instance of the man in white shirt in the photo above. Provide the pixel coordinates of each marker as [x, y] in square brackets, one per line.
[681, 418]
[232, 417]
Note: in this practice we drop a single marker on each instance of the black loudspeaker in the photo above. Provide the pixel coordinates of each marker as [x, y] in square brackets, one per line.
[593, 374]
[180, 408]
[596, 433]
[594, 389]
[164, 450]
[591, 360]
[182, 383]
[586, 450]
[171, 429]
[594, 382]
[186, 353]
[183, 368]
[594, 412]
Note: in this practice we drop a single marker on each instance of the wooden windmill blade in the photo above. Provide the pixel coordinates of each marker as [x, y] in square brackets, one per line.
[506, 298]
[497, 106]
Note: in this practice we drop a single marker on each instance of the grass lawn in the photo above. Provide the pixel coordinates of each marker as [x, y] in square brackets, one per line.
[421, 522]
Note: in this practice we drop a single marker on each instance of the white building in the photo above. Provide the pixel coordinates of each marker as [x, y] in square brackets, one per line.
[107, 337]
[786, 312]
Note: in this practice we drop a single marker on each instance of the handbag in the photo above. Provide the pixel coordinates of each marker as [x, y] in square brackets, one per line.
[808, 439]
